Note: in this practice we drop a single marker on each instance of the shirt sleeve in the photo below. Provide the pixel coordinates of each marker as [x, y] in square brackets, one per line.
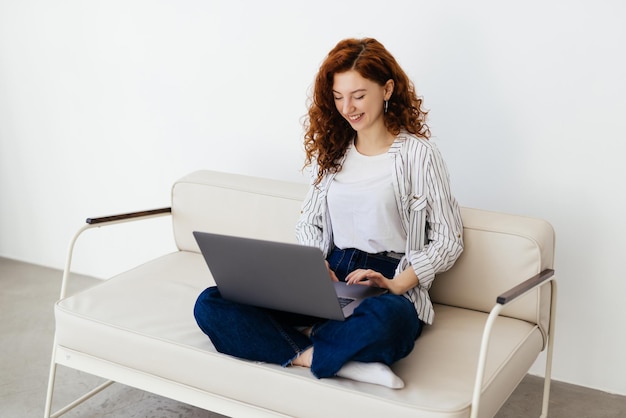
[310, 225]
[443, 228]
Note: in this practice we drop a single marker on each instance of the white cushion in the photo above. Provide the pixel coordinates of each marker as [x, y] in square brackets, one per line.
[233, 204]
[143, 319]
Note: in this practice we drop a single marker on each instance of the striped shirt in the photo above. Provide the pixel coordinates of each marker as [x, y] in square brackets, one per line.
[429, 213]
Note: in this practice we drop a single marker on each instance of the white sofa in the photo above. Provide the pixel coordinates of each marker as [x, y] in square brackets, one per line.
[494, 315]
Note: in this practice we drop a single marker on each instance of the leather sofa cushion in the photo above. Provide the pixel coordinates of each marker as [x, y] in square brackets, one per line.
[143, 319]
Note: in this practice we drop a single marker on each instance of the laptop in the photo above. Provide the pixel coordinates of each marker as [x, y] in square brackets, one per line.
[280, 276]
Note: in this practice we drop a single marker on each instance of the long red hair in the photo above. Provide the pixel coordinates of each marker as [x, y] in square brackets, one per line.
[328, 134]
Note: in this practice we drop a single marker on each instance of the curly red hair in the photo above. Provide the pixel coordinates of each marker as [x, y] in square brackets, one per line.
[327, 132]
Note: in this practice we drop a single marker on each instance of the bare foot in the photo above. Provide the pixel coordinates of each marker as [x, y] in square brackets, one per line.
[304, 359]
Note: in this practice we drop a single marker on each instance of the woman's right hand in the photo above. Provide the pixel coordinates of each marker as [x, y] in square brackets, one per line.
[332, 274]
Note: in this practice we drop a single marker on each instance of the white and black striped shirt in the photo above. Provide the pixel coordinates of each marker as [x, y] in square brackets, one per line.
[429, 213]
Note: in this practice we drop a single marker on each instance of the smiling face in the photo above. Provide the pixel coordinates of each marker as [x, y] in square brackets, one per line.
[361, 101]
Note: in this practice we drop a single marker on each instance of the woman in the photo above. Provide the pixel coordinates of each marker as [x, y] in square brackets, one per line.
[380, 209]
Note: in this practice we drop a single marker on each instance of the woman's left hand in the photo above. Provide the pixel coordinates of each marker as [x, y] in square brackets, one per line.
[400, 284]
[370, 278]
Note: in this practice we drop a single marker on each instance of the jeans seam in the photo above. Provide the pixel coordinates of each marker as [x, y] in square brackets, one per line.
[297, 350]
[340, 261]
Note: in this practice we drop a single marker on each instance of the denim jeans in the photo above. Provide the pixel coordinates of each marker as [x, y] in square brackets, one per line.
[382, 329]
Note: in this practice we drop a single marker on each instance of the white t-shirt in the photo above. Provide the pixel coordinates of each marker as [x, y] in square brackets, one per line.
[362, 205]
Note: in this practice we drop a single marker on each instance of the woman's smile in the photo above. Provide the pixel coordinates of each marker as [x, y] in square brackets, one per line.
[355, 118]
[359, 100]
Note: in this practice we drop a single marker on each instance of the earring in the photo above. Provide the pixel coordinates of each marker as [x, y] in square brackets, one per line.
[386, 105]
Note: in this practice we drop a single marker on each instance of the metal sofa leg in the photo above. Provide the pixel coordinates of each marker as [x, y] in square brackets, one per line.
[548, 374]
[51, 378]
[50, 392]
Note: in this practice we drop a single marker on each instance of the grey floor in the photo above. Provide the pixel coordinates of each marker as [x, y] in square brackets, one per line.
[27, 295]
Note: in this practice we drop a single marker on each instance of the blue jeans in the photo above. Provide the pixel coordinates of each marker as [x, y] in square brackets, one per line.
[382, 329]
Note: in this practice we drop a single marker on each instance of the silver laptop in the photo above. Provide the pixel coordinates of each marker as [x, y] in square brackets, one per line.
[274, 275]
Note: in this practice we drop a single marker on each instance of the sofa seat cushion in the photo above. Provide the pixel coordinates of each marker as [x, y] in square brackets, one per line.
[143, 319]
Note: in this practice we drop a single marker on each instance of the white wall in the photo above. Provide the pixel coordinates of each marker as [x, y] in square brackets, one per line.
[103, 104]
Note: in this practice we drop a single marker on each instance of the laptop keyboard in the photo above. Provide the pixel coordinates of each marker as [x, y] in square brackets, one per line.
[344, 301]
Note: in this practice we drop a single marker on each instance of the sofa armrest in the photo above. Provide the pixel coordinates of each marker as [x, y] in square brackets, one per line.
[505, 298]
[128, 216]
[524, 287]
[105, 221]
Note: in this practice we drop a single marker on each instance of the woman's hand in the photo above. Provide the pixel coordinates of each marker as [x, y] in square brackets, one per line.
[399, 285]
[370, 278]
[332, 274]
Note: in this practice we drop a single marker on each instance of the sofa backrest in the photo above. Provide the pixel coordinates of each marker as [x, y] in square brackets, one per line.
[233, 204]
[500, 252]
